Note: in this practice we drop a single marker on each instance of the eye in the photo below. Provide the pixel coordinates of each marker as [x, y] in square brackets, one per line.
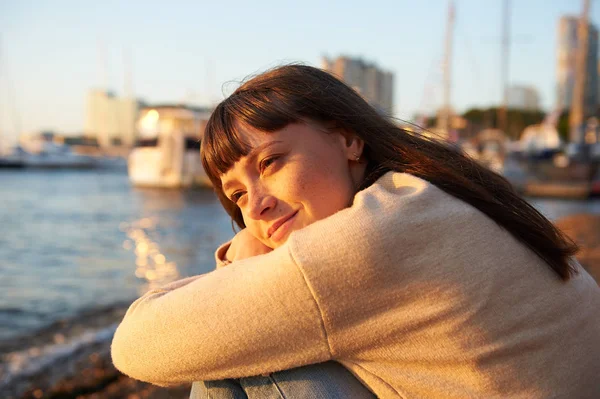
[236, 196]
[268, 161]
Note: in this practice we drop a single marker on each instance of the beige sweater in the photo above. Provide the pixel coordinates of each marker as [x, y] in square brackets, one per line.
[418, 294]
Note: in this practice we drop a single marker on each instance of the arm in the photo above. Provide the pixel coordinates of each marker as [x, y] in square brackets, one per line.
[252, 317]
[270, 312]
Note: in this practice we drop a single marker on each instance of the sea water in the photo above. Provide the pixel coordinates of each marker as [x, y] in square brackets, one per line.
[78, 246]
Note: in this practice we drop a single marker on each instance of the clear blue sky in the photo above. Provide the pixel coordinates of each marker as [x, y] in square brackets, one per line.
[51, 51]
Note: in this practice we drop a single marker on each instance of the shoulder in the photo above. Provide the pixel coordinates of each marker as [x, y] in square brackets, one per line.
[393, 198]
[397, 209]
[396, 191]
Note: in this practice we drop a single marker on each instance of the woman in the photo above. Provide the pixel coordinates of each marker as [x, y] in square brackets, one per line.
[419, 271]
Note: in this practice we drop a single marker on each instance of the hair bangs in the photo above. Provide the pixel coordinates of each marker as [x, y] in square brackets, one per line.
[223, 143]
[264, 110]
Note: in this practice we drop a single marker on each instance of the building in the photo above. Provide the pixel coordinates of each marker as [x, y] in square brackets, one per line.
[374, 84]
[524, 98]
[566, 65]
[110, 119]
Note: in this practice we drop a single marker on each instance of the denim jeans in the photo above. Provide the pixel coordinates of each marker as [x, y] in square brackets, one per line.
[328, 380]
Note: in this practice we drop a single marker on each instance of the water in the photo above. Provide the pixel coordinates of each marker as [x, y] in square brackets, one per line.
[556, 209]
[76, 240]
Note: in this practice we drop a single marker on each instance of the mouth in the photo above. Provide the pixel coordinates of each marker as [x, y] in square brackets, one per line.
[280, 227]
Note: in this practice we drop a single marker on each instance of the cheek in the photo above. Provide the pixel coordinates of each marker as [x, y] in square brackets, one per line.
[326, 190]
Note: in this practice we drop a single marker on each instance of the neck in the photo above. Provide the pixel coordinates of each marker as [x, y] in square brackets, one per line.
[357, 174]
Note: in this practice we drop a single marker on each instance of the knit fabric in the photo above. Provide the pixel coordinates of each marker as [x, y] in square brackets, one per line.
[415, 292]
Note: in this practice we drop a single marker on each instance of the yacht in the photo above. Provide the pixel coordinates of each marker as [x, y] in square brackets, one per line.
[55, 156]
[167, 151]
[11, 161]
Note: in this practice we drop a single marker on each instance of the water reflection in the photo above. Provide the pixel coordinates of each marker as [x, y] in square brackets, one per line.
[158, 199]
[73, 241]
[174, 227]
[151, 264]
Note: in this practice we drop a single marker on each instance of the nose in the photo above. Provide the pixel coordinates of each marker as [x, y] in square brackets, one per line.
[260, 203]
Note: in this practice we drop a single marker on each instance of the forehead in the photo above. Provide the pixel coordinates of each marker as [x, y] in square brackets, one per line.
[255, 140]
[306, 135]
[253, 137]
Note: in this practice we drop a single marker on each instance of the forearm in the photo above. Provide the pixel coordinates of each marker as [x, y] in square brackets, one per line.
[250, 318]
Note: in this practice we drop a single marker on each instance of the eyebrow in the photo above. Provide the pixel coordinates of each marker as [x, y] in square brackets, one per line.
[251, 155]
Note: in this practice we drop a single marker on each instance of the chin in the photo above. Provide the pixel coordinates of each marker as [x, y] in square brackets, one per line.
[277, 244]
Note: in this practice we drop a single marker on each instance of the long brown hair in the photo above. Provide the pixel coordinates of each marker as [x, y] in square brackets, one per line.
[299, 93]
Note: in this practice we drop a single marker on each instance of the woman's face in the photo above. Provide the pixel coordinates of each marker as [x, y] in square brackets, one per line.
[292, 178]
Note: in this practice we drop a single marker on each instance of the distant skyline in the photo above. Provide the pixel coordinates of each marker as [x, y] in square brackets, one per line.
[53, 52]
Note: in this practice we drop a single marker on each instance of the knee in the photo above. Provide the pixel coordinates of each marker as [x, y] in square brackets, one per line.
[222, 389]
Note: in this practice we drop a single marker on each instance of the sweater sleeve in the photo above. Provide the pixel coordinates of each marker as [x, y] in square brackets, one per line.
[252, 317]
[220, 259]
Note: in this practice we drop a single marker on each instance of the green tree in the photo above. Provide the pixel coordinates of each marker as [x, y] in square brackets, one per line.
[563, 126]
[518, 119]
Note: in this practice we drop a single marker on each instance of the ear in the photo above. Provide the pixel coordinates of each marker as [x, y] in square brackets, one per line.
[353, 145]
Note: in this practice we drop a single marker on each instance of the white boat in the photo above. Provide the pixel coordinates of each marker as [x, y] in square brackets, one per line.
[55, 156]
[167, 152]
[537, 140]
[11, 161]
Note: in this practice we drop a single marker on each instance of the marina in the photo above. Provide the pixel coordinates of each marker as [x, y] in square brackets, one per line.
[104, 196]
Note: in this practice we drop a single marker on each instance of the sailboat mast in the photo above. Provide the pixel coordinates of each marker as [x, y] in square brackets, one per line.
[445, 114]
[11, 98]
[128, 82]
[577, 116]
[503, 111]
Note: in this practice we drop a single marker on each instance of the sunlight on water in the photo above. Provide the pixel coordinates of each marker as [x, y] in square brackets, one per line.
[73, 241]
[151, 264]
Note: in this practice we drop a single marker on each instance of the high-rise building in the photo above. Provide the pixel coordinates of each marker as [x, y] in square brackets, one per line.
[374, 84]
[523, 97]
[566, 65]
[110, 119]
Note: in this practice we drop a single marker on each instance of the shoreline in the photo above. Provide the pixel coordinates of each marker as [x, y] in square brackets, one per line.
[71, 359]
[90, 374]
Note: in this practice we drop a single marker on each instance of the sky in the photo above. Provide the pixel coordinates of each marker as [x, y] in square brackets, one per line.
[52, 52]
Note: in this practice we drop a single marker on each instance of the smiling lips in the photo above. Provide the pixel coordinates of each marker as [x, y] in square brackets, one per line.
[277, 224]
